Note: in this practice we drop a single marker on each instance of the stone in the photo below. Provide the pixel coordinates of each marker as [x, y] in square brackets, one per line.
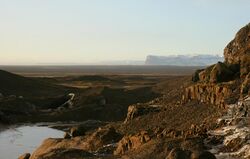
[77, 131]
[221, 73]
[137, 110]
[66, 136]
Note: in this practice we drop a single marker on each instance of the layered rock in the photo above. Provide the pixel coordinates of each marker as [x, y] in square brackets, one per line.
[229, 79]
[209, 93]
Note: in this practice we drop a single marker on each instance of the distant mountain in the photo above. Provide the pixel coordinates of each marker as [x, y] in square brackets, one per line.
[183, 60]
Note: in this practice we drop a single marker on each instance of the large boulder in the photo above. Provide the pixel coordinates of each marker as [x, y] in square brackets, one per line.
[221, 73]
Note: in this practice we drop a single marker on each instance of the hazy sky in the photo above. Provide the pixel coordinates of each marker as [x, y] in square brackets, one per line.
[86, 31]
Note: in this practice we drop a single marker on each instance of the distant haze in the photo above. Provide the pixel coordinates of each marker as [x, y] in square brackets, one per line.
[93, 31]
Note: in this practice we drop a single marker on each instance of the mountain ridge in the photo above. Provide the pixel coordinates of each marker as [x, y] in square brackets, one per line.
[183, 60]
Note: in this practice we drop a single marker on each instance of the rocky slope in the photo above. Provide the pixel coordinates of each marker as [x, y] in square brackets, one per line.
[224, 82]
[208, 119]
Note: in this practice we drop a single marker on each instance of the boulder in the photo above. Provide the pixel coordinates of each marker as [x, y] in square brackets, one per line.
[221, 73]
[67, 136]
[101, 137]
[137, 110]
[77, 131]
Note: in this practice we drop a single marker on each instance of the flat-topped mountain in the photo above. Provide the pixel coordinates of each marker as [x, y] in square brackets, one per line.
[183, 60]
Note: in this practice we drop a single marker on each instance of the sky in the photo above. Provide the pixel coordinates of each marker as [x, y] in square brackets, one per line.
[91, 31]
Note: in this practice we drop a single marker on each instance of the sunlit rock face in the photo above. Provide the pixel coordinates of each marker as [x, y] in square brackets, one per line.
[219, 83]
[238, 50]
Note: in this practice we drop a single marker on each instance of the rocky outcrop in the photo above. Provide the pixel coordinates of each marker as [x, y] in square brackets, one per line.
[209, 93]
[137, 110]
[132, 142]
[224, 80]
[83, 145]
[77, 131]
[238, 50]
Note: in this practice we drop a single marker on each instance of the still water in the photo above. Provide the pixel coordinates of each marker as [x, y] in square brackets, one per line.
[16, 141]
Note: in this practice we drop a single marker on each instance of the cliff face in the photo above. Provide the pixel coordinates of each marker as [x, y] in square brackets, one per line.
[238, 50]
[224, 82]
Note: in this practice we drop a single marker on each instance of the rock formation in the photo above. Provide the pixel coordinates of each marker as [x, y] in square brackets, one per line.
[77, 147]
[139, 110]
[224, 82]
